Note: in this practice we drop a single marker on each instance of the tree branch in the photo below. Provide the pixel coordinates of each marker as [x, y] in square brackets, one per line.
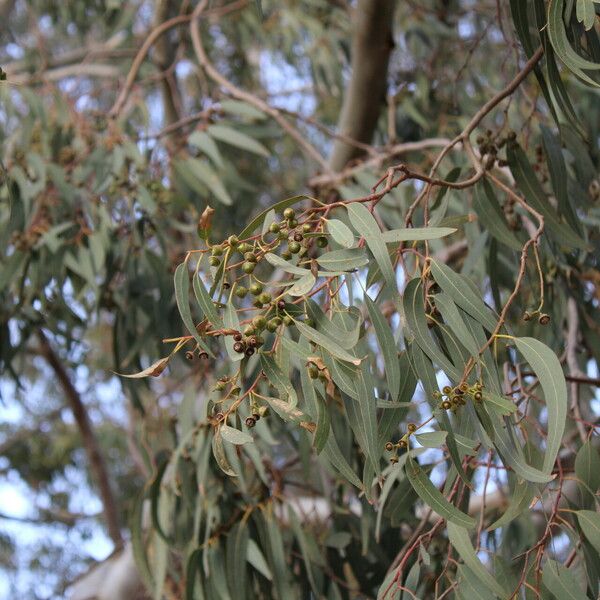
[90, 442]
[372, 44]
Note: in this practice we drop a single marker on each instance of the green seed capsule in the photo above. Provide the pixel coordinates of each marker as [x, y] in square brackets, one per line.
[274, 227]
[241, 291]
[243, 248]
[282, 235]
[214, 261]
[313, 372]
[289, 213]
[217, 250]
[248, 331]
[265, 298]
[248, 267]
[306, 227]
[250, 257]
[233, 241]
[322, 241]
[294, 247]
[256, 289]
[272, 326]
[259, 322]
[292, 223]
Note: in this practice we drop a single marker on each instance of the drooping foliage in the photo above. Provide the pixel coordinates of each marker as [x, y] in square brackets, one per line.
[383, 386]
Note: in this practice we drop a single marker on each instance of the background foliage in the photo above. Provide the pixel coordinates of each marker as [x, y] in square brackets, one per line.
[447, 234]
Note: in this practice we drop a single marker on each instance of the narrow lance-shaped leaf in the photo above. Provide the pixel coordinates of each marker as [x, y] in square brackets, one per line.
[278, 378]
[388, 347]
[415, 234]
[589, 521]
[206, 303]
[561, 582]
[236, 138]
[182, 289]
[462, 294]
[235, 436]
[343, 260]
[321, 340]
[549, 372]
[433, 498]
[365, 224]
[231, 321]
[459, 538]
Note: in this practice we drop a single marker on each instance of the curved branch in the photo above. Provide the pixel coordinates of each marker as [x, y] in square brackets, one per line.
[236, 92]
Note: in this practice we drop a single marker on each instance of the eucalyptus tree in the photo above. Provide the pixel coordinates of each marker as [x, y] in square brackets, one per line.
[356, 261]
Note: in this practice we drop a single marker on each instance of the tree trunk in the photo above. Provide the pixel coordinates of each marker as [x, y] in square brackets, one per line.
[372, 43]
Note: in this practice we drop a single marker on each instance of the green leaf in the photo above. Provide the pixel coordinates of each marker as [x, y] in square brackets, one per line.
[587, 469]
[343, 260]
[416, 234]
[364, 224]
[366, 424]
[257, 559]
[231, 321]
[499, 404]
[204, 142]
[469, 587]
[513, 456]
[347, 339]
[548, 369]
[461, 292]
[431, 439]
[237, 550]
[561, 582]
[386, 342]
[242, 109]
[276, 552]
[302, 286]
[278, 379]
[206, 303]
[558, 175]
[323, 424]
[586, 13]
[235, 436]
[589, 521]
[341, 233]
[220, 456]
[331, 451]
[236, 138]
[328, 344]
[522, 495]
[414, 313]
[285, 410]
[459, 538]
[433, 498]
[491, 216]
[209, 178]
[560, 42]
[534, 194]
[453, 318]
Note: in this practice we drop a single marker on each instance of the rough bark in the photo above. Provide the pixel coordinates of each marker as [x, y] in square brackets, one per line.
[372, 43]
[90, 442]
